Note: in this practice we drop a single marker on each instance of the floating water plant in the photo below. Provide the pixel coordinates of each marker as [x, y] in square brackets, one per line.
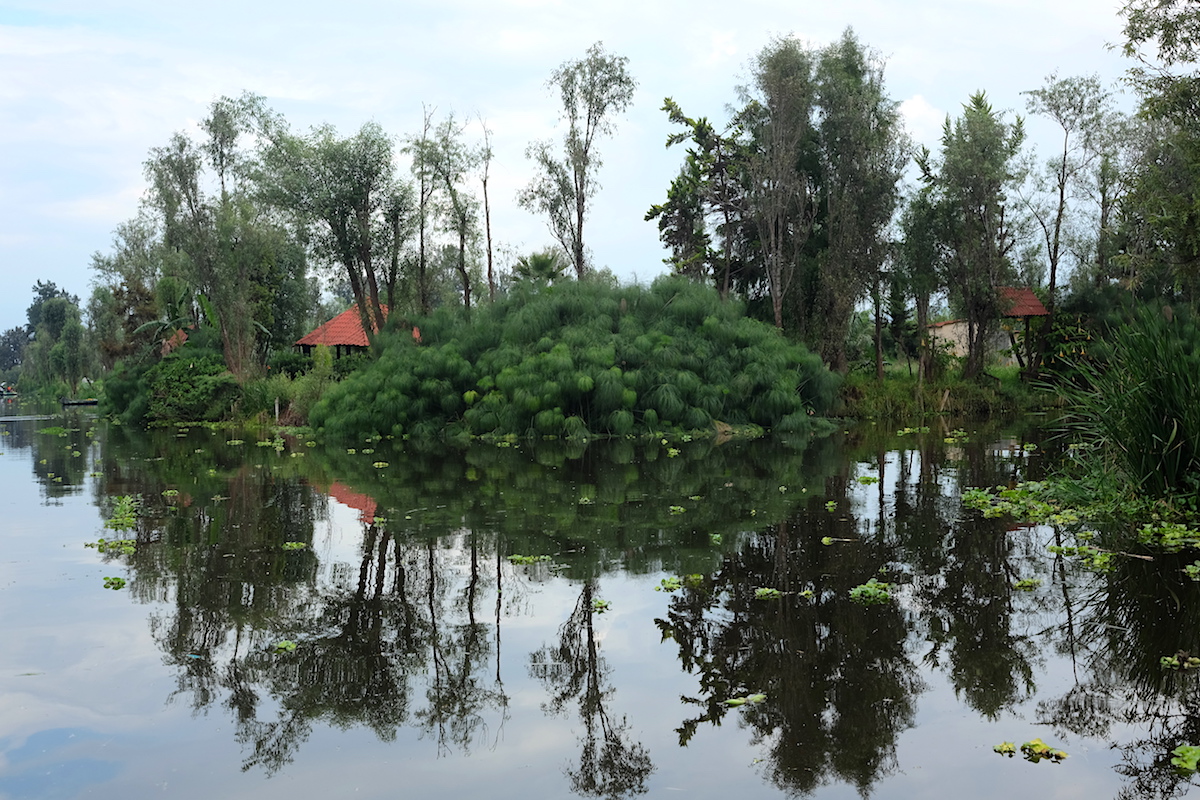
[600, 606]
[911, 431]
[867, 480]
[380, 464]
[125, 547]
[1180, 660]
[752, 699]
[170, 493]
[285, 646]
[873, 592]
[114, 583]
[125, 512]
[520, 559]
[766, 593]
[1193, 570]
[1005, 749]
[1036, 750]
[831, 505]
[1027, 584]
[1186, 758]
[676, 509]
[294, 545]
[675, 583]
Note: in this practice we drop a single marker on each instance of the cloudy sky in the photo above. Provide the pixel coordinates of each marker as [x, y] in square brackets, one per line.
[87, 87]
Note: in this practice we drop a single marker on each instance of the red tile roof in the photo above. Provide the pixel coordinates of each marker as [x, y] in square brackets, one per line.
[344, 329]
[1021, 302]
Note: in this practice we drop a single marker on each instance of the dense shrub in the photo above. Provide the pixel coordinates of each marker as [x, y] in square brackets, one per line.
[1134, 403]
[190, 386]
[581, 359]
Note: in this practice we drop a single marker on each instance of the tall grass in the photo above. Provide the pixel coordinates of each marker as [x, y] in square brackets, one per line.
[579, 359]
[1137, 404]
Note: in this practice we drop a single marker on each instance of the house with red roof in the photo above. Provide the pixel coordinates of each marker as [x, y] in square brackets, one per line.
[1018, 303]
[344, 334]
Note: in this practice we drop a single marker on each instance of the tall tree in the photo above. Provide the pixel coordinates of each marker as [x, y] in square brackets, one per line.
[778, 117]
[229, 247]
[921, 256]
[1079, 107]
[975, 172]
[341, 190]
[862, 155]
[593, 89]
[485, 165]
[709, 192]
[449, 161]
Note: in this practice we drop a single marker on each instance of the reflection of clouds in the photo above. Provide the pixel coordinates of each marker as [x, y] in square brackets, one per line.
[50, 764]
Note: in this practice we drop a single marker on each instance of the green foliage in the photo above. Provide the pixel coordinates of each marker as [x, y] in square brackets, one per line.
[123, 547]
[124, 514]
[873, 592]
[1186, 758]
[190, 387]
[1179, 661]
[114, 583]
[285, 646]
[516, 558]
[767, 593]
[1135, 404]
[580, 360]
[1036, 750]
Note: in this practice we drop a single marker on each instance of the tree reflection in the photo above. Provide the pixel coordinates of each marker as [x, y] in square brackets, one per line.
[611, 765]
[1126, 622]
[840, 686]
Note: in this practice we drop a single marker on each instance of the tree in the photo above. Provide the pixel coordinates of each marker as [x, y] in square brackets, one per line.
[344, 191]
[12, 346]
[592, 89]
[485, 162]
[921, 258]
[862, 153]
[448, 160]
[229, 248]
[709, 185]
[976, 170]
[778, 118]
[1079, 106]
[1172, 29]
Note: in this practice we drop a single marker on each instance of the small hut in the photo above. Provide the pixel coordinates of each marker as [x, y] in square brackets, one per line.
[344, 333]
[1023, 304]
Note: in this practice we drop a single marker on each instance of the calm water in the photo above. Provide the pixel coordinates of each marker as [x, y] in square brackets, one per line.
[428, 664]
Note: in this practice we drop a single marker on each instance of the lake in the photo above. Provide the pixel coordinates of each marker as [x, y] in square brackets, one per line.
[560, 620]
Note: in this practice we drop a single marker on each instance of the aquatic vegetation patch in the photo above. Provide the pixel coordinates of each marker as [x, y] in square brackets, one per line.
[285, 646]
[1170, 537]
[123, 547]
[125, 512]
[1036, 750]
[294, 545]
[516, 558]
[600, 606]
[873, 592]
[749, 699]
[1186, 758]
[1180, 660]
[114, 583]
[1027, 584]
[675, 583]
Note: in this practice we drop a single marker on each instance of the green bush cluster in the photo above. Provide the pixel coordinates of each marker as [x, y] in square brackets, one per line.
[1134, 403]
[582, 359]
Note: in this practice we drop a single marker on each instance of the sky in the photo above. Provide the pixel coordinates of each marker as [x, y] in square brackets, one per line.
[88, 87]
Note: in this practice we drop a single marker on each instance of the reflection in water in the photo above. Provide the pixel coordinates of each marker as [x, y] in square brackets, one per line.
[401, 626]
[610, 765]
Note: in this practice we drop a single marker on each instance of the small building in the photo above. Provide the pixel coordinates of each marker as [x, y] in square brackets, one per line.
[1019, 303]
[344, 334]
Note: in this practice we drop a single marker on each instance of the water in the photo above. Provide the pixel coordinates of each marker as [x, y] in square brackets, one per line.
[427, 663]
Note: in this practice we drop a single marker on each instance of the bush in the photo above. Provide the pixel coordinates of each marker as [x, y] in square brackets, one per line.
[1135, 404]
[580, 359]
[190, 386]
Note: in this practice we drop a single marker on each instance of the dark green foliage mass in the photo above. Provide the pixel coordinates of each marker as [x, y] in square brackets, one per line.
[583, 359]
